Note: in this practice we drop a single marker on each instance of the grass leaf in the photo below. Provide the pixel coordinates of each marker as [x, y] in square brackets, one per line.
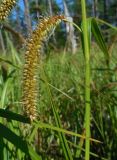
[99, 39]
[62, 137]
[18, 142]
[13, 116]
[13, 138]
[44, 125]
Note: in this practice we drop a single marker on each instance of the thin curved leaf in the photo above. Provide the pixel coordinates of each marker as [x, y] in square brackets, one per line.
[4, 92]
[13, 138]
[106, 23]
[99, 39]
[64, 144]
[13, 116]
[44, 125]
[18, 142]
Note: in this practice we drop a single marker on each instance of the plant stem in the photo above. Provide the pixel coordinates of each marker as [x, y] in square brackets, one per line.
[87, 80]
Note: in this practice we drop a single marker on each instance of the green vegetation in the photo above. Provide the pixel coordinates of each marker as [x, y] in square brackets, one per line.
[61, 86]
[87, 79]
[73, 114]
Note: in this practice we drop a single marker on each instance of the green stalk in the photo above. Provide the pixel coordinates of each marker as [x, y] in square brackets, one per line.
[87, 80]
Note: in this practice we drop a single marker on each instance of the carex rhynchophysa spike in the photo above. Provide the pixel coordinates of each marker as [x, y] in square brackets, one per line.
[32, 58]
[5, 8]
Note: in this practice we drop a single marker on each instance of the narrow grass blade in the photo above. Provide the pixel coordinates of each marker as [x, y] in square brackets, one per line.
[65, 94]
[91, 153]
[13, 138]
[4, 92]
[99, 39]
[80, 145]
[13, 116]
[64, 144]
[8, 62]
[106, 23]
[44, 125]
[18, 142]
[15, 58]
[75, 25]
[33, 154]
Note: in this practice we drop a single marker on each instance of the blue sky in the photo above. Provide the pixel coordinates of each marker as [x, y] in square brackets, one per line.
[22, 4]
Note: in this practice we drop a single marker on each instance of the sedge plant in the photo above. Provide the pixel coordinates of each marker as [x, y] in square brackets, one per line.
[30, 84]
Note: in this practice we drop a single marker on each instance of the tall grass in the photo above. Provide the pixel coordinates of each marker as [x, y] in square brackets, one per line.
[68, 93]
[58, 132]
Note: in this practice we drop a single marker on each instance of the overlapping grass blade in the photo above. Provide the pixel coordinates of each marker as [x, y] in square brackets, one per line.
[15, 58]
[8, 62]
[4, 92]
[13, 138]
[13, 116]
[106, 23]
[48, 126]
[99, 39]
[64, 144]
[91, 153]
[18, 142]
[33, 154]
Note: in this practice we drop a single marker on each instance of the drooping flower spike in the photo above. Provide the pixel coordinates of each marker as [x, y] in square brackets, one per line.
[32, 59]
[5, 8]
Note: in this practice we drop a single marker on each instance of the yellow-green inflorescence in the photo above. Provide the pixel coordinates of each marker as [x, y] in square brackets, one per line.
[32, 58]
[5, 8]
